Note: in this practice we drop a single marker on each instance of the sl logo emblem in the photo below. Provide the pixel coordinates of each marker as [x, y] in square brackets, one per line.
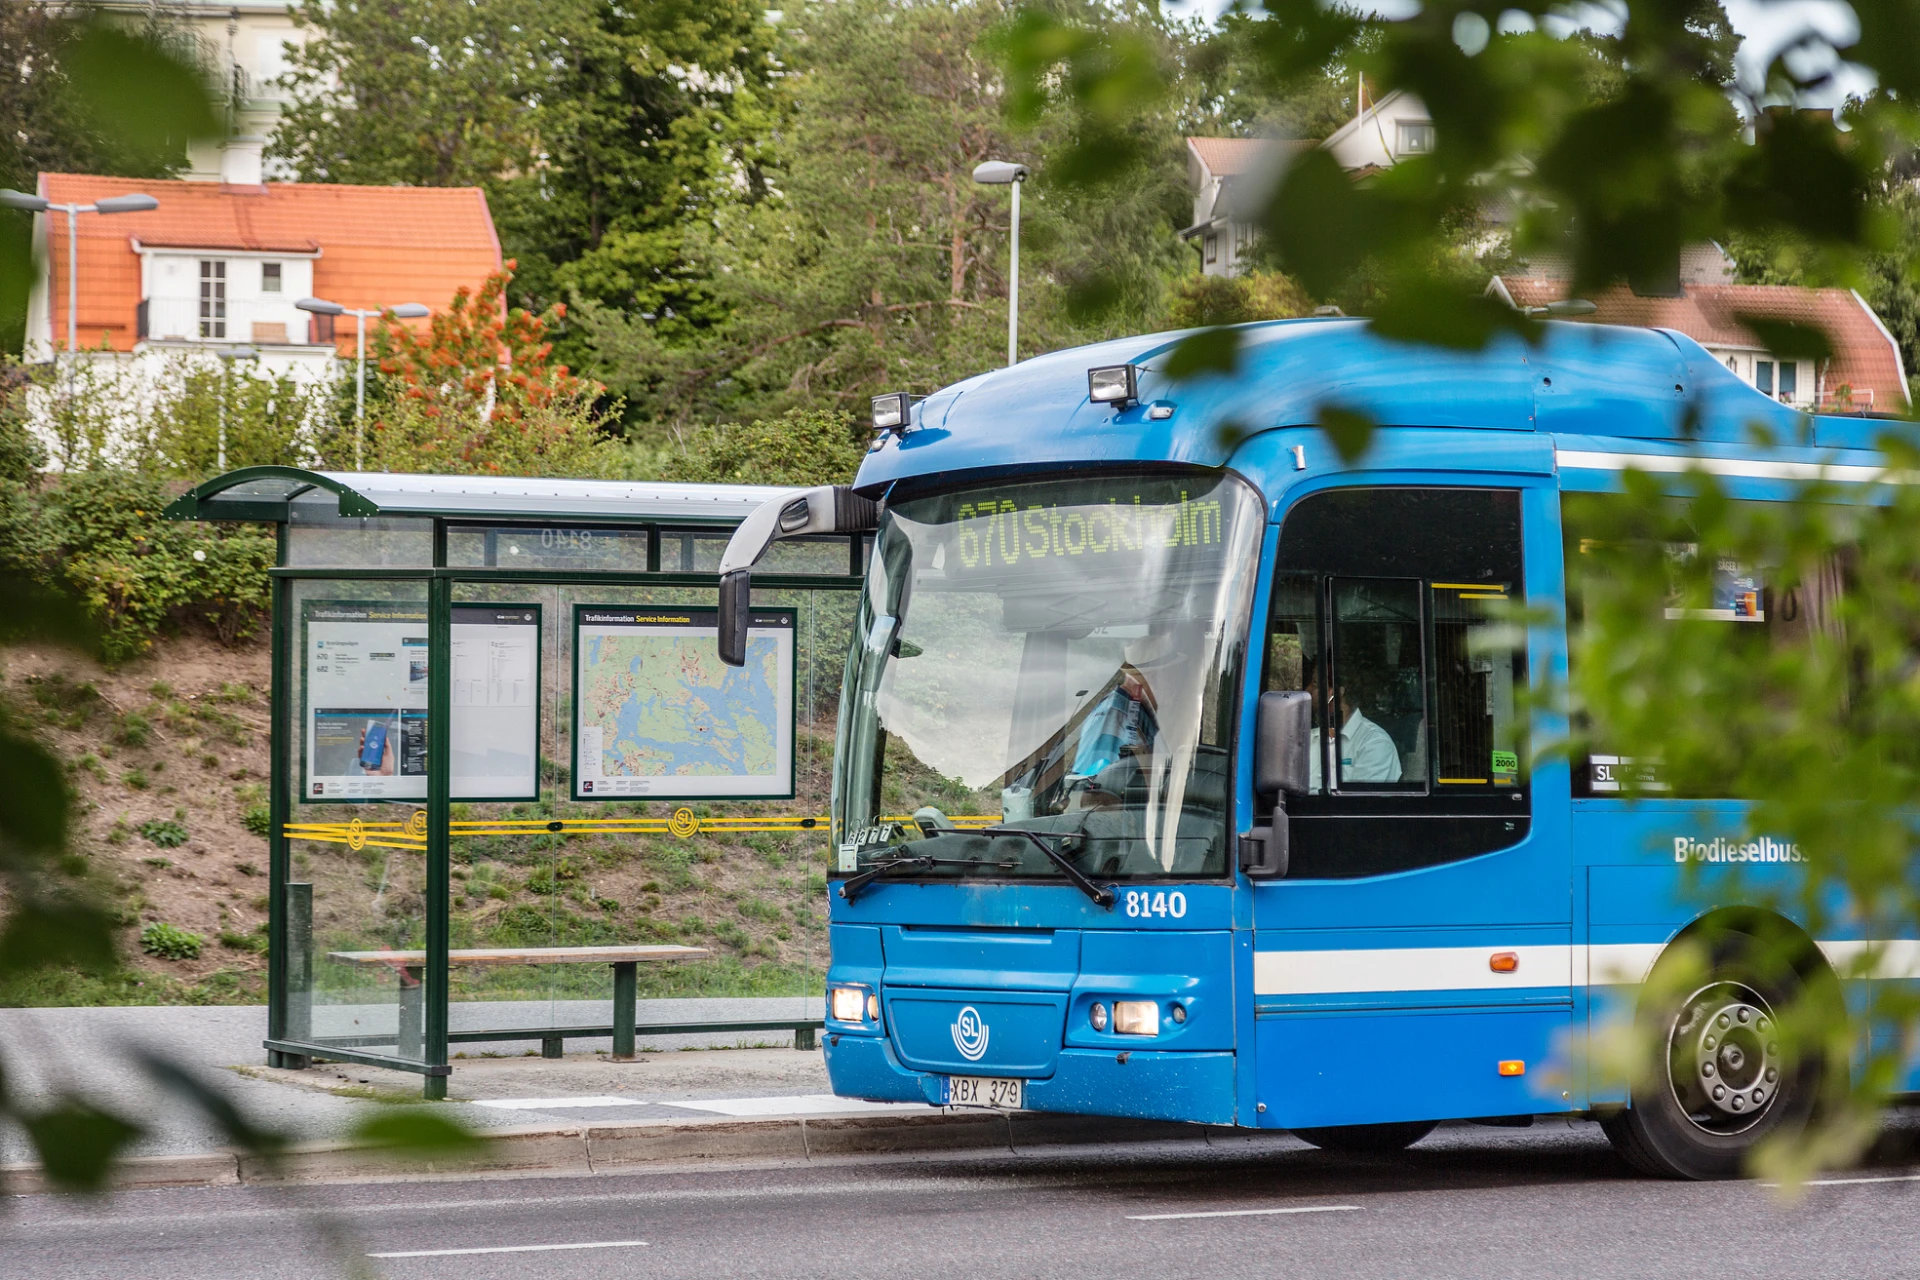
[970, 1034]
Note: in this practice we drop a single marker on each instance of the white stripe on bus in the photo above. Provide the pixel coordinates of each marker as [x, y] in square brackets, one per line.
[1367, 971]
[1748, 468]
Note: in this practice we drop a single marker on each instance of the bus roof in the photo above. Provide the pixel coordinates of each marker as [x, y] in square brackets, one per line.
[1581, 379]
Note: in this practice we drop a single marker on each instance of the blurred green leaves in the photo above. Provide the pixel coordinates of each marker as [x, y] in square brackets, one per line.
[81, 92]
[132, 86]
[1612, 151]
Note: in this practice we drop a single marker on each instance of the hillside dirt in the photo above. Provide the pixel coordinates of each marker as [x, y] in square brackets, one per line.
[168, 757]
[178, 737]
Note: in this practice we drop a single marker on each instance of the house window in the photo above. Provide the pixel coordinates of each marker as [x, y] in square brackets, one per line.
[213, 299]
[1213, 250]
[1763, 375]
[1789, 380]
[1242, 238]
[269, 277]
[1416, 139]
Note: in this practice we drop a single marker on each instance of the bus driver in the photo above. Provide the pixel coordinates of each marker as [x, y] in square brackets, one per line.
[1367, 752]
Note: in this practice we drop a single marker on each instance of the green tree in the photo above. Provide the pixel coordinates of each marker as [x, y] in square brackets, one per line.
[598, 130]
[876, 262]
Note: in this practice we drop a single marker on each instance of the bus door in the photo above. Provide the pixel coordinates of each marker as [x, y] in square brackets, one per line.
[1414, 963]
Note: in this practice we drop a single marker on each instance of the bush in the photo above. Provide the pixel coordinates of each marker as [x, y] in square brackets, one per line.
[164, 832]
[169, 943]
[258, 819]
[99, 536]
[801, 446]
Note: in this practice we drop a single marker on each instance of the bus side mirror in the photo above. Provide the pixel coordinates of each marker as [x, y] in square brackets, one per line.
[736, 600]
[1283, 743]
[825, 509]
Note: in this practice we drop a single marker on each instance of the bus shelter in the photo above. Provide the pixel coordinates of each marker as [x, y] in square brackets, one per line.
[513, 793]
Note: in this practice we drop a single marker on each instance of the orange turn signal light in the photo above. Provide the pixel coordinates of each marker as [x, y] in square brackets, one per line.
[1504, 962]
[1513, 1067]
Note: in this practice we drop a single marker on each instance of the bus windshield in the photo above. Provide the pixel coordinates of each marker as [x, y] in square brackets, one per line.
[1047, 668]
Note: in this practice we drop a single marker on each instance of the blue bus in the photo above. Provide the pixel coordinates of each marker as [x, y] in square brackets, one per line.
[1175, 777]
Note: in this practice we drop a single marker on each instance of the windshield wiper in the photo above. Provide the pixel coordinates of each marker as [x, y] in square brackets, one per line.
[914, 862]
[1103, 897]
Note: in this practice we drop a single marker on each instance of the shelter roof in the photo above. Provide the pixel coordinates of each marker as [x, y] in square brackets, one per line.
[264, 493]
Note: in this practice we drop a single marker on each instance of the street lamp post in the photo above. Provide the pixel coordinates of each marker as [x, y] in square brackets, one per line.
[227, 356]
[404, 311]
[1004, 173]
[134, 203]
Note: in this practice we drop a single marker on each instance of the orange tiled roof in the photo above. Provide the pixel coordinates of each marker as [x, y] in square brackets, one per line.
[377, 245]
[1864, 356]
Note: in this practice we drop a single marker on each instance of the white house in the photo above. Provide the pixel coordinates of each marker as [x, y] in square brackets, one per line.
[1229, 177]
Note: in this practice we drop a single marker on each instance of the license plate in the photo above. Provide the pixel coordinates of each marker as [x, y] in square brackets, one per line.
[1002, 1093]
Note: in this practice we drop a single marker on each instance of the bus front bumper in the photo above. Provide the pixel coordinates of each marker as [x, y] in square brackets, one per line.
[1141, 1085]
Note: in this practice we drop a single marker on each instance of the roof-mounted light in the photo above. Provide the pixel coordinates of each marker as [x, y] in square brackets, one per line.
[892, 412]
[1117, 385]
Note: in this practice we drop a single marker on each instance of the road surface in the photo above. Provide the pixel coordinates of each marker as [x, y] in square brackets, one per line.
[1467, 1202]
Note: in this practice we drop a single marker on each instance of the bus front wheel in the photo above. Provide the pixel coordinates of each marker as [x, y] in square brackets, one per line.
[1367, 1139]
[1720, 1083]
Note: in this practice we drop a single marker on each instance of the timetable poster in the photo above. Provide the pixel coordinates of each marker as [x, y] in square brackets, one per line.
[366, 700]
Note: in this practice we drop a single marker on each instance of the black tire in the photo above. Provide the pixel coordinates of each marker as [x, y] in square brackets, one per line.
[1367, 1139]
[1719, 1084]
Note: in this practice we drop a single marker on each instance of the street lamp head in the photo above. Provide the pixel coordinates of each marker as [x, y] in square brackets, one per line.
[321, 307]
[409, 311]
[10, 199]
[999, 173]
[138, 202]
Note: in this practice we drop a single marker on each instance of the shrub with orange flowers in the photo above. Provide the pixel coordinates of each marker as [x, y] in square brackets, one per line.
[475, 392]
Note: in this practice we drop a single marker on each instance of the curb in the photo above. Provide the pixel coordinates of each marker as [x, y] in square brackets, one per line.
[588, 1149]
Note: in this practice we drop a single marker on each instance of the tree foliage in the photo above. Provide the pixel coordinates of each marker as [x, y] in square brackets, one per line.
[596, 129]
[479, 392]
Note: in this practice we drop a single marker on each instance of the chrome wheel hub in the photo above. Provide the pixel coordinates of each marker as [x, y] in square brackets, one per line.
[1724, 1058]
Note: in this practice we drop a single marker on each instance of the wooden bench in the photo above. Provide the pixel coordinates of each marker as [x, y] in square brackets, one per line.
[626, 962]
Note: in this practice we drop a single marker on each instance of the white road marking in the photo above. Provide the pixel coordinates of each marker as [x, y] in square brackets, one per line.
[512, 1248]
[1851, 1182]
[800, 1104]
[551, 1104]
[1244, 1213]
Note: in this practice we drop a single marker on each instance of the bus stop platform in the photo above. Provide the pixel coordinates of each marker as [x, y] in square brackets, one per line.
[582, 1114]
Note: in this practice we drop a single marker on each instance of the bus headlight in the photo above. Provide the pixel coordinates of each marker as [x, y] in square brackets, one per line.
[1098, 1016]
[849, 1004]
[1136, 1017]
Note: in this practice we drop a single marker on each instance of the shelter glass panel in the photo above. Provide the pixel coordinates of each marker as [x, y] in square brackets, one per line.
[548, 546]
[743, 883]
[318, 536]
[356, 884]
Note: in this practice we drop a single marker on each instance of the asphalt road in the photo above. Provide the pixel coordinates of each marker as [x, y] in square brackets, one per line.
[1467, 1202]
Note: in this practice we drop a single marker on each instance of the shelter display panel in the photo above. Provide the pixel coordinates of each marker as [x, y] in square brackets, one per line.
[658, 715]
[365, 712]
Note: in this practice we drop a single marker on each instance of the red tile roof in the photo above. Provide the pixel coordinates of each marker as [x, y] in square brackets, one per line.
[1865, 356]
[378, 245]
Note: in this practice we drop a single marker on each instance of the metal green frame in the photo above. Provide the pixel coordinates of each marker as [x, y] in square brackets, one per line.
[290, 1041]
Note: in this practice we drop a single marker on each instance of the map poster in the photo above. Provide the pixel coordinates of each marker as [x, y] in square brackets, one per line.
[658, 715]
[365, 701]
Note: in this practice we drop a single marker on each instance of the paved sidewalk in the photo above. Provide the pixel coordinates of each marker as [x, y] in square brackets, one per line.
[48, 1053]
[582, 1114]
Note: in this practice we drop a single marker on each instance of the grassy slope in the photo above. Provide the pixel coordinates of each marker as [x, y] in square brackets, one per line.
[180, 737]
